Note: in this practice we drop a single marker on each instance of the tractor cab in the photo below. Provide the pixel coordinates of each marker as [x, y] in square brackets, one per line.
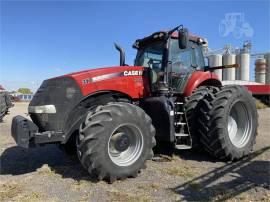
[171, 58]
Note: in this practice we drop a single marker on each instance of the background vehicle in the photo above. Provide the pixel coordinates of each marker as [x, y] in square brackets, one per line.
[5, 104]
[114, 116]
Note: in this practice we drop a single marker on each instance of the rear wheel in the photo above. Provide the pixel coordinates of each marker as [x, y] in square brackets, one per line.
[192, 108]
[115, 141]
[228, 123]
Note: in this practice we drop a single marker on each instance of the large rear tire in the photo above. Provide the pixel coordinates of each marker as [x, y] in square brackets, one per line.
[115, 141]
[192, 108]
[228, 123]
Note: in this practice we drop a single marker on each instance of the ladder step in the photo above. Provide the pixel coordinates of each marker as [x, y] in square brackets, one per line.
[179, 112]
[180, 123]
[182, 146]
[178, 103]
[181, 134]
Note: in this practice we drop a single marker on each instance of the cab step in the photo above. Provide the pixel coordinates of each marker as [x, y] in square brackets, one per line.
[182, 146]
[178, 103]
[180, 123]
[181, 135]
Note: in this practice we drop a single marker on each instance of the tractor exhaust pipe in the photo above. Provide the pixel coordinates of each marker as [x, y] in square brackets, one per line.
[122, 54]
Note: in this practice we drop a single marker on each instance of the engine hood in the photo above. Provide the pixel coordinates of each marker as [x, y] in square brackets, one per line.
[101, 71]
[118, 78]
[57, 96]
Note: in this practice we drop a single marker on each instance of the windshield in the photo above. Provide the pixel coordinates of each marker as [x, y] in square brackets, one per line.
[150, 56]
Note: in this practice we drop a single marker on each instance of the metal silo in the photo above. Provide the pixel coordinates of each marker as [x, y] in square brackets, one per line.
[267, 57]
[214, 61]
[245, 61]
[260, 70]
[228, 59]
[244, 66]
[238, 70]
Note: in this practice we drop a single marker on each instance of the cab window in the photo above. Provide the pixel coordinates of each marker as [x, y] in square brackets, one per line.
[181, 59]
[150, 56]
[199, 58]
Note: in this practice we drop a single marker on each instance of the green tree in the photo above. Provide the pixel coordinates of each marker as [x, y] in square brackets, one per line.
[24, 91]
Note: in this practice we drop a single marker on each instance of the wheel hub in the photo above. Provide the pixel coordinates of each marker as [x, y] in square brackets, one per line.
[121, 142]
[232, 127]
[239, 125]
[125, 145]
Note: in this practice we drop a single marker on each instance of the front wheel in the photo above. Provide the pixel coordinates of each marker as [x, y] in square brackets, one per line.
[115, 141]
[228, 123]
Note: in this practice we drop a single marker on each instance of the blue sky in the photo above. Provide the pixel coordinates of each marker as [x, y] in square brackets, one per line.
[43, 39]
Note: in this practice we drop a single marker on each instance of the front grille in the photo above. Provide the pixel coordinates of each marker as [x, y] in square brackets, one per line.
[62, 92]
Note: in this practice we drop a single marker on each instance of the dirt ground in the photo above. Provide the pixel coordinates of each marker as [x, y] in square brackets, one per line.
[48, 174]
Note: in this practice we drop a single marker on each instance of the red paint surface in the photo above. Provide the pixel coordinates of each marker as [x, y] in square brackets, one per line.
[133, 86]
[196, 79]
[259, 89]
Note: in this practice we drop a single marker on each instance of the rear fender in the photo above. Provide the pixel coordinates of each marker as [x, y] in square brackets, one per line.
[200, 78]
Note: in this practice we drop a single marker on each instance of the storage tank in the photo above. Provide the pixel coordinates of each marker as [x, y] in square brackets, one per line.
[267, 57]
[214, 61]
[260, 70]
[228, 59]
[238, 70]
[243, 59]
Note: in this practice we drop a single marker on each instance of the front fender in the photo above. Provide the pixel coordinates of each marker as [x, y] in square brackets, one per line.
[78, 114]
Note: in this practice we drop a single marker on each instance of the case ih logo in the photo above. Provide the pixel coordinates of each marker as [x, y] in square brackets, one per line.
[132, 73]
[112, 75]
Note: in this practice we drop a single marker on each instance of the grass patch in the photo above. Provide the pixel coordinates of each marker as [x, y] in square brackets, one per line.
[149, 186]
[118, 196]
[85, 198]
[222, 193]
[46, 170]
[260, 105]
[14, 192]
[176, 158]
[32, 197]
[78, 185]
[9, 191]
[265, 197]
[196, 186]
[155, 185]
[182, 171]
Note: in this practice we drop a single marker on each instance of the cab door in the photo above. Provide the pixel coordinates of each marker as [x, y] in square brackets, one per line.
[183, 62]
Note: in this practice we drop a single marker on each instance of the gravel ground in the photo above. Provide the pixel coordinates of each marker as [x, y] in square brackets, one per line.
[48, 174]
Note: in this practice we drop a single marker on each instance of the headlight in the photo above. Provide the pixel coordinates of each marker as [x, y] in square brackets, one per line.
[48, 109]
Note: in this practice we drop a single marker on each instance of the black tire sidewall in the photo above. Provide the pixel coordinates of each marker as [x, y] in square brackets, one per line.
[246, 99]
[130, 114]
[107, 162]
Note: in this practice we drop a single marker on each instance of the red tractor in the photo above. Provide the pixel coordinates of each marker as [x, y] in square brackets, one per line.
[113, 116]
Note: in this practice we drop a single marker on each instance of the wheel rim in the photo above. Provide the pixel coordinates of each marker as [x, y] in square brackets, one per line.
[125, 145]
[239, 125]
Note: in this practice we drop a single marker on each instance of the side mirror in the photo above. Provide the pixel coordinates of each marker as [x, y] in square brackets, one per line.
[183, 38]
